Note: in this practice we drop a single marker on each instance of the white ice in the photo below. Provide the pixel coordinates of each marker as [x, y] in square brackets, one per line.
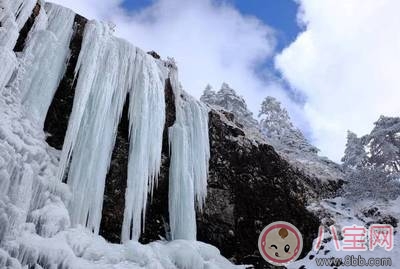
[100, 94]
[44, 59]
[190, 153]
[146, 125]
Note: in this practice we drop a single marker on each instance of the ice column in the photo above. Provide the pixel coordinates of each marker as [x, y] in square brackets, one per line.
[104, 68]
[147, 119]
[190, 153]
[44, 59]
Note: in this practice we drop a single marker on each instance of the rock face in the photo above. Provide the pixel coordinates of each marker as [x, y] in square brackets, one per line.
[250, 185]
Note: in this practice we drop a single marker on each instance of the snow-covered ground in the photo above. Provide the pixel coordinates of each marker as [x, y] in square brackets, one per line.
[342, 213]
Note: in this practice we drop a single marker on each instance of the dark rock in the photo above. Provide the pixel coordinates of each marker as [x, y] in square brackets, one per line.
[154, 54]
[386, 219]
[114, 193]
[249, 184]
[371, 212]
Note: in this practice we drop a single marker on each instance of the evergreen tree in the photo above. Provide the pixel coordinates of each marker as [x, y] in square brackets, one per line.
[384, 144]
[354, 154]
[276, 124]
[227, 99]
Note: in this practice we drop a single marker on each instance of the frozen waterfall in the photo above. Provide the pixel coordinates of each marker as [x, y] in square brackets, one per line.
[146, 125]
[108, 71]
[190, 154]
[50, 200]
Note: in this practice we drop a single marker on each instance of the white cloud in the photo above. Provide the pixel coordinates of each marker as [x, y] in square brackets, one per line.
[211, 42]
[347, 63]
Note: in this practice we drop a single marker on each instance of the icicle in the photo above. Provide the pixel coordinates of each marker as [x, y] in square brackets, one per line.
[105, 75]
[189, 146]
[147, 119]
[87, 63]
[45, 56]
[22, 9]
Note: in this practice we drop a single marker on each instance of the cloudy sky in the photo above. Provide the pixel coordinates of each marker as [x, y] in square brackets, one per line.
[332, 63]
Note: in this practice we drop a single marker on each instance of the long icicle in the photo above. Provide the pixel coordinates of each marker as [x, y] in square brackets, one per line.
[189, 146]
[147, 119]
[45, 56]
[103, 82]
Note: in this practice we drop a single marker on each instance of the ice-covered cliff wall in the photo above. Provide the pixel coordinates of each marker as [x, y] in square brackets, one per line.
[107, 71]
[48, 196]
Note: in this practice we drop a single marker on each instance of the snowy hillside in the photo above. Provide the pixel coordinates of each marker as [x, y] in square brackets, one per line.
[344, 213]
[275, 128]
[370, 196]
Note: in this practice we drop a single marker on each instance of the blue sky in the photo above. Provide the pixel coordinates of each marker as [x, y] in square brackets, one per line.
[279, 14]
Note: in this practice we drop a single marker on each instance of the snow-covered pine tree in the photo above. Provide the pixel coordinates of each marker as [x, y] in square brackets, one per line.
[372, 162]
[227, 99]
[354, 154]
[276, 124]
[371, 183]
[384, 144]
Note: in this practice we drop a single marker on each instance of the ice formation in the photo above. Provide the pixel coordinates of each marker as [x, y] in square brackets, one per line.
[13, 16]
[45, 54]
[147, 119]
[190, 154]
[51, 201]
[110, 68]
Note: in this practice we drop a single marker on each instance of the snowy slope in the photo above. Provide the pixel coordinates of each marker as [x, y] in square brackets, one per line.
[45, 223]
[276, 128]
[343, 213]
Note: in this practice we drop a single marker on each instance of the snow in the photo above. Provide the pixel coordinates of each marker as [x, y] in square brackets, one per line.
[78, 248]
[190, 153]
[344, 213]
